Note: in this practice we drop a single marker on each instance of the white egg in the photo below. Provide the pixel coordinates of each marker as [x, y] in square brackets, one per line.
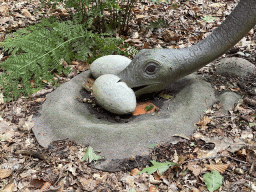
[113, 95]
[109, 64]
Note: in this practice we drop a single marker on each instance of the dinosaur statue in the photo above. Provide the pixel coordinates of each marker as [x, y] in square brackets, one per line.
[152, 70]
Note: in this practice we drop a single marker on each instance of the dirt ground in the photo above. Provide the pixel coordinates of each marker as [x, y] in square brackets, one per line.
[225, 143]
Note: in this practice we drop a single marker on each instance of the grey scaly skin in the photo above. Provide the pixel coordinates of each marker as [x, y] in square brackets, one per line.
[152, 70]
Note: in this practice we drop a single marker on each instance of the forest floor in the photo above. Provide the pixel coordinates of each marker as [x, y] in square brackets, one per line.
[226, 143]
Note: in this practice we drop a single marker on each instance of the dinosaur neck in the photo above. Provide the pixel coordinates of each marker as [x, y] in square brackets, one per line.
[234, 28]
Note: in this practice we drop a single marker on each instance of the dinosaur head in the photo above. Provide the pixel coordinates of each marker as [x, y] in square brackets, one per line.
[148, 72]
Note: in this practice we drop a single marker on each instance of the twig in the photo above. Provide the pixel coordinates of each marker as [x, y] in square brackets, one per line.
[222, 116]
[250, 101]
[216, 157]
[32, 154]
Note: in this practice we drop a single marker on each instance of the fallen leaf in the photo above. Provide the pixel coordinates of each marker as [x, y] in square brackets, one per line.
[19, 15]
[83, 67]
[182, 158]
[42, 92]
[37, 183]
[4, 8]
[222, 87]
[246, 135]
[217, 5]
[5, 173]
[8, 135]
[64, 13]
[176, 157]
[146, 45]
[135, 172]
[5, 126]
[46, 186]
[168, 35]
[64, 63]
[40, 100]
[181, 136]
[196, 169]
[152, 189]
[220, 168]
[88, 184]
[141, 108]
[213, 180]
[29, 124]
[80, 65]
[88, 86]
[9, 188]
[90, 155]
[159, 167]
[140, 17]
[195, 190]
[152, 180]
[4, 20]
[26, 13]
[204, 121]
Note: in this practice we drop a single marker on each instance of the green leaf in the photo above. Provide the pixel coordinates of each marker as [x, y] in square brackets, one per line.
[208, 18]
[152, 146]
[149, 107]
[166, 96]
[90, 155]
[251, 124]
[175, 6]
[160, 167]
[213, 180]
[36, 52]
[192, 144]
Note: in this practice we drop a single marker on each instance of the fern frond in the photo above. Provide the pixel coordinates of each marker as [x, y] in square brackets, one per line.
[37, 51]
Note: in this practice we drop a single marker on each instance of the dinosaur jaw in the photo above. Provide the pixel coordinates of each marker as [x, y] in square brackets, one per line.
[144, 89]
[139, 88]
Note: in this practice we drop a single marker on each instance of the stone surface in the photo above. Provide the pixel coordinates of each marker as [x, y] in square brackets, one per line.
[113, 95]
[109, 64]
[228, 100]
[120, 137]
[235, 66]
[63, 116]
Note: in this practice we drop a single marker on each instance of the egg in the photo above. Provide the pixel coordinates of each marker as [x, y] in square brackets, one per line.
[109, 64]
[113, 95]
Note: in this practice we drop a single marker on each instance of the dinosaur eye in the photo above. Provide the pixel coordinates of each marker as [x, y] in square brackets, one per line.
[151, 68]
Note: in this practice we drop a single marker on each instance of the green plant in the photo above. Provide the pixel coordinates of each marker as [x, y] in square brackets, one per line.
[91, 13]
[208, 18]
[152, 146]
[90, 155]
[192, 144]
[160, 167]
[251, 124]
[36, 52]
[149, 107]
[213, 180]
